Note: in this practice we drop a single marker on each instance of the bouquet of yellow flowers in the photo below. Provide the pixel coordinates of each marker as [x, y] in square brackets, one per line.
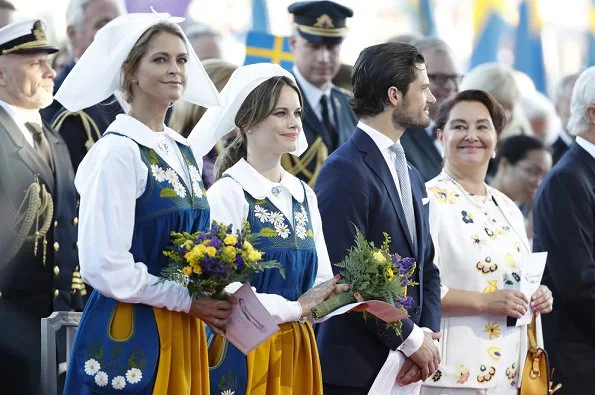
[377, 274]
[206, 262]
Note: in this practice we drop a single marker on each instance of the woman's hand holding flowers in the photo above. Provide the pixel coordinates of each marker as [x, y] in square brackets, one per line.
[320, 293]
[212, 312]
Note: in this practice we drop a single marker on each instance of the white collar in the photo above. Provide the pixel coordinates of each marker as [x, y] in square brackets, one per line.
[19, 115]
[586, 145]
[259, 186]
[128, 126]
[381, 140]
[312, 93]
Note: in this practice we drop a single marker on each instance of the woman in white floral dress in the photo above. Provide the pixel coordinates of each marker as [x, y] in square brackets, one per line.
[479, 238]
[264, 102]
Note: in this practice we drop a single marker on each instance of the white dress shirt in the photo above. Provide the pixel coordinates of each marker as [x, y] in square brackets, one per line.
[383, 142]
[228, 204]
[313, 95]
[21, 116]
[110, 179]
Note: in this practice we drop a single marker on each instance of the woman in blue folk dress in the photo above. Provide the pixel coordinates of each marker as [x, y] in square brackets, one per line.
[263, 101]
[140, 181]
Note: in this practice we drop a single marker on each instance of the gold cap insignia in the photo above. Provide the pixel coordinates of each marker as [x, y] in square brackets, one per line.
[38, 31]
[324, 22]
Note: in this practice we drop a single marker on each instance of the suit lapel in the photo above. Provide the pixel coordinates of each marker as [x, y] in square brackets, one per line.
[27, 153]
[375, 161]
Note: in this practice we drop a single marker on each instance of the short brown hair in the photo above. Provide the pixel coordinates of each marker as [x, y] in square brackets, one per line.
[494, 108]
[139, 49]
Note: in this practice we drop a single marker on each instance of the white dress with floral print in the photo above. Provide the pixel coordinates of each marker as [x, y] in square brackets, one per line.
[479, 243]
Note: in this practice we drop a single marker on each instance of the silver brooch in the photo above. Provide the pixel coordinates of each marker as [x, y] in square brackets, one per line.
[163, 145]
[276, 190]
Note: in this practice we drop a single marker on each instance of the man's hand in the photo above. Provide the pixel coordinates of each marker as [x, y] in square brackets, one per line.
[426, 359]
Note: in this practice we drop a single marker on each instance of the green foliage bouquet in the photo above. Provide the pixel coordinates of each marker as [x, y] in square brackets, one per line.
[377, 274]
[206, 262]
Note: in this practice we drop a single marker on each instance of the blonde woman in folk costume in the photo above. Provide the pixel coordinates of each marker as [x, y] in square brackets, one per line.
[139, 334]
[479, 238]
[264, 102]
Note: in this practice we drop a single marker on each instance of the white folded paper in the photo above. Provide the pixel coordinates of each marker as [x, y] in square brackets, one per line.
[533, 266]
[386, 380]
[250, 323]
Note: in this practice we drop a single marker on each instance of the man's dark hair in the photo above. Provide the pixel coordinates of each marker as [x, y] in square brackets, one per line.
[494, 108]
[7, 5]
[377, 69]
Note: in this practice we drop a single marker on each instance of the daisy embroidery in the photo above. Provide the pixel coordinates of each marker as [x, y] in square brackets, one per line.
[179, 189]
[228, 392]
[119, 382]
[301, 217]
[101, 379]
[282, 230]
[276, 218]
[195, 179]
[92, 367]
[158, 173]
[301, 231]
[134, 375]
[261, 213]
[171, 176]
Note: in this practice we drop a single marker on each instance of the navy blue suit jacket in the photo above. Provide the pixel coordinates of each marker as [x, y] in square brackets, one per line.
[564, 226]
[355, 186]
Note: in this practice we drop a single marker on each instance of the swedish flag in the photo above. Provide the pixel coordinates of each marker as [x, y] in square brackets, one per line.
[266, 48]
[591, 60]
[488, 27]
[528, 54]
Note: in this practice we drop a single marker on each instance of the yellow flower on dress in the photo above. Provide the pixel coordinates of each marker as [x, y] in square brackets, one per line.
[453, 197]
[510, 261]
[187, 270]
[230, 240]
[212, 251]
[440, 194]
[492, 329]
[379, 257]
[492, 287]
[389, 272]
[463, 375]
[495, 352]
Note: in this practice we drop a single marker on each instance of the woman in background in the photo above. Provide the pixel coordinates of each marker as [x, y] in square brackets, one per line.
[185, 115]
[521, 163]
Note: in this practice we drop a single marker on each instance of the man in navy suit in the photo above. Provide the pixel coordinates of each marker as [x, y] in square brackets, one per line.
[328, 120]
[367, 183]
[564, 226]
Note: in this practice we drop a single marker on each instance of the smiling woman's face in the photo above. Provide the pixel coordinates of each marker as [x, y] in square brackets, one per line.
[161, 73]
[469, 136]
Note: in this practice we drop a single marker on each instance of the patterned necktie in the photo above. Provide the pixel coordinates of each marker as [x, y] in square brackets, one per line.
[40, 143]
[326, 119]
[405, 187]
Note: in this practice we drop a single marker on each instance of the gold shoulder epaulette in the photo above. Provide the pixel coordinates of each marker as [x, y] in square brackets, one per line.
[89, 125]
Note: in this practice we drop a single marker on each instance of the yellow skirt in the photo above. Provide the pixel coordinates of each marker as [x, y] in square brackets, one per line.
[286, 364]
[183, 366]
